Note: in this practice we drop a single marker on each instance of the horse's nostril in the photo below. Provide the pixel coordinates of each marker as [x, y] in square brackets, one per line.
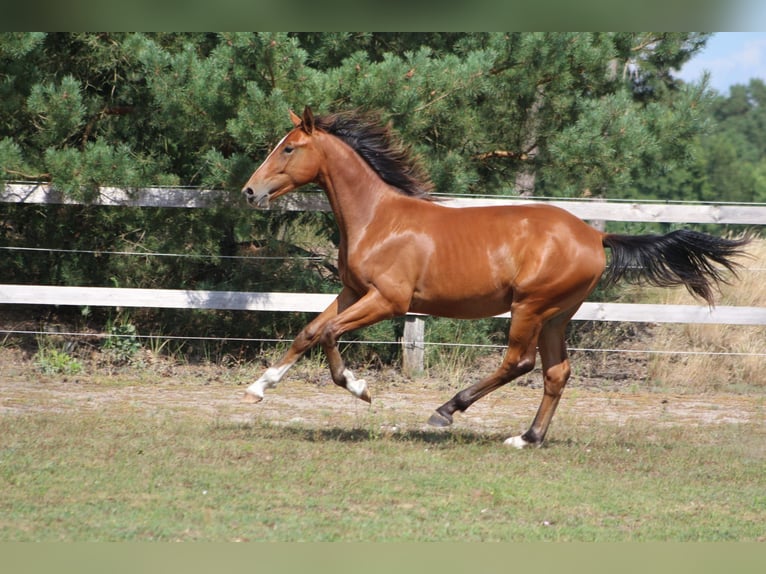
[248, 191]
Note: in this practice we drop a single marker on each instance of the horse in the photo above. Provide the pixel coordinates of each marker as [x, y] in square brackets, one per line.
[403, 251]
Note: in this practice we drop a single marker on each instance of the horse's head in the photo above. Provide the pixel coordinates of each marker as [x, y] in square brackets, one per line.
[292, 163]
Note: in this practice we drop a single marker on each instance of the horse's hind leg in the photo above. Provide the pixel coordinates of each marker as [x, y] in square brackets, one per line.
[519, 359]
[553, 353]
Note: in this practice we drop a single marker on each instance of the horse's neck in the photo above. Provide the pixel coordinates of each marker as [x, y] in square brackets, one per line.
[352, 187]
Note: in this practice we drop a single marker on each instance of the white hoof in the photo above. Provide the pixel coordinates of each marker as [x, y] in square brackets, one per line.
[519, 442]
[257, 388]
[357, 387]
[251, 398]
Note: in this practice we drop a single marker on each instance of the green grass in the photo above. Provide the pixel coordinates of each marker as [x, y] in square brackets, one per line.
[125, 475]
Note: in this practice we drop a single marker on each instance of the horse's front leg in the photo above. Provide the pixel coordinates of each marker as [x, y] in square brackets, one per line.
[370, 309]
[305, 340]
[342, 376]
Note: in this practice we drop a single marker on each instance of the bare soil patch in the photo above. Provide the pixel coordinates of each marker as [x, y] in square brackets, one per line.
[307, 397]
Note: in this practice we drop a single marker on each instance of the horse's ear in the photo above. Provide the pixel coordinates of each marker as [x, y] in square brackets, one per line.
[295, 118]
[308, 120]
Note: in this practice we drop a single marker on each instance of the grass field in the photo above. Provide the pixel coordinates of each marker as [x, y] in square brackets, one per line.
[88, 458]
[670, 448]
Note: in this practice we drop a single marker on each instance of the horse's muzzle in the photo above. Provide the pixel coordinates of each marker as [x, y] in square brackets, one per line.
[258, 199]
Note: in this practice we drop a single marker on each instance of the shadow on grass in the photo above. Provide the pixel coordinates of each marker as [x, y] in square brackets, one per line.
[268, 430]
[623, 437]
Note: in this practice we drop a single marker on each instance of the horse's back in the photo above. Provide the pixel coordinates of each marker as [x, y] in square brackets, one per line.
[481, 259]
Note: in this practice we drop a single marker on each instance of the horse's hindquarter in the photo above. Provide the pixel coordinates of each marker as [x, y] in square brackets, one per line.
[474, 262]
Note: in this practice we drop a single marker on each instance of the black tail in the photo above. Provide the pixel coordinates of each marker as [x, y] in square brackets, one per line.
[696, 260]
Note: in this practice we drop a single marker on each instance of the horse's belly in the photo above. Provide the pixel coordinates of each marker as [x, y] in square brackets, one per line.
[470, 307]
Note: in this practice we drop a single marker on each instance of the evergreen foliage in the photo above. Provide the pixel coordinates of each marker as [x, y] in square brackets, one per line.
[547, 114]
[585, 113]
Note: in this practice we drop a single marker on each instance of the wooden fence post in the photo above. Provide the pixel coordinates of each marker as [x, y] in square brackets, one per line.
[413, 344]
[599, 224]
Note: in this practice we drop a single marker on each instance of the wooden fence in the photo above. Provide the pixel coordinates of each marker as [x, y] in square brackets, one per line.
[413, 339]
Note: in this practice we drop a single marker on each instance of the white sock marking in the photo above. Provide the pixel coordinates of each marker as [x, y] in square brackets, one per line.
[268, 380]
[519, 442]
[355, 386]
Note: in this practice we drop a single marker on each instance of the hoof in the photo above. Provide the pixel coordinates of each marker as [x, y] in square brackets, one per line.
[520, 442]
[365, 396]
[250, 398]
[439, 420]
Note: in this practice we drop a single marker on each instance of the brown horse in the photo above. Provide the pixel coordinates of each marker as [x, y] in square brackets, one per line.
[400, 251]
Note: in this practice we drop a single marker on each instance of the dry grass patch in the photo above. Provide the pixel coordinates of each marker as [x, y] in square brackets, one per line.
[731, 357]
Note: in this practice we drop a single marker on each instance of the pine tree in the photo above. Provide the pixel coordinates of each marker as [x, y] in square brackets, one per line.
[577, 113]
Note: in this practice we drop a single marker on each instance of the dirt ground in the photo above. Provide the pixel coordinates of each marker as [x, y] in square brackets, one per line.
[308, 397]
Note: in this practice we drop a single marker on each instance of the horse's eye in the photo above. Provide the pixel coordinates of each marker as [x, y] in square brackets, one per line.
[289, 149]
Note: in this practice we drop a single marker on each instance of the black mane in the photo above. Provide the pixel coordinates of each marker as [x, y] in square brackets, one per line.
[385, 154]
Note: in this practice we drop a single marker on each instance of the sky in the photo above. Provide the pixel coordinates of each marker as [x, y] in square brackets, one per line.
[731, 58]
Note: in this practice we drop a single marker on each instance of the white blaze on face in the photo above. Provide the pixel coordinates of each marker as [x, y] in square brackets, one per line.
[276, 147]
[254, 185]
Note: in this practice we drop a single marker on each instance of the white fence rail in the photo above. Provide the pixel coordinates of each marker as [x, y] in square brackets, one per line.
[735, 214]
[317, 302]
[312, 302]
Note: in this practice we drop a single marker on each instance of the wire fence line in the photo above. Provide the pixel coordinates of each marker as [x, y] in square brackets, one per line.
[95, 335]
[204, 255]
[155, 254]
